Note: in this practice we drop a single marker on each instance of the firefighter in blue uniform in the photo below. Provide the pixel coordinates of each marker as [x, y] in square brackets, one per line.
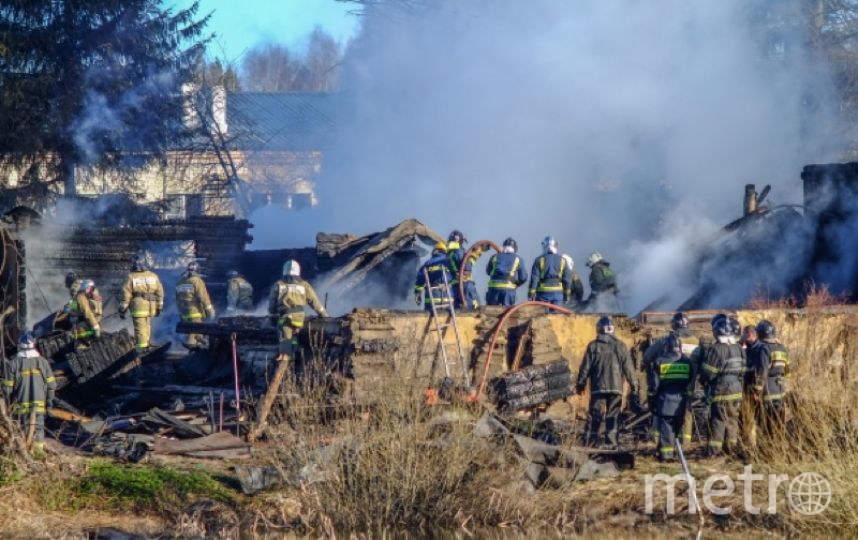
[550, 277]
[456, 254]
[506, 274]
[437, 268]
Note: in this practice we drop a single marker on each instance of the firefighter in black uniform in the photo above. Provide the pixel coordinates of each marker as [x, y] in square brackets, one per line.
[769, 367]
[670, 381]
[722, 373]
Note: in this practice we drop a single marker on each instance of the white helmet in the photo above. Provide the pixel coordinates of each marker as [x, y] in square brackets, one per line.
[594, 258]
[291, 268]
[570, 264]
[549, 245]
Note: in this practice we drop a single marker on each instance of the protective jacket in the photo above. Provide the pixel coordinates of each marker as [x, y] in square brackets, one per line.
[239, 294]
[143, 294]
[723, 371]
[550, 274]
[82, 316]
[606, 363]
[576, 287]
[602, 278]
[506, 271]
[769, 368]
[287, 300]
[670, 378]
[437, 268]
[30, 383]
[456, 256]
[192, 298]
[691, 347]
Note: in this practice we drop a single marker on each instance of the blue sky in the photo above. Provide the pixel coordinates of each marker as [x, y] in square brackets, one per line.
[241, 24]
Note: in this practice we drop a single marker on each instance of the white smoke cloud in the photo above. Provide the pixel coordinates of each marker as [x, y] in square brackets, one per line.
[596, 122]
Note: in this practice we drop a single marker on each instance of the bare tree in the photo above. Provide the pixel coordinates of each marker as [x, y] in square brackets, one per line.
[274, 68]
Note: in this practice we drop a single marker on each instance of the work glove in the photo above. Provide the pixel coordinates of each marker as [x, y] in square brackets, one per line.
[122, 314]
[158, 311]
[565, 298]
[97, 332]
[531, 296]
[418, 299]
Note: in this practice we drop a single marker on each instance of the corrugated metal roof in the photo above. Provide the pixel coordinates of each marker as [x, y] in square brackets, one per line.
[279, 121]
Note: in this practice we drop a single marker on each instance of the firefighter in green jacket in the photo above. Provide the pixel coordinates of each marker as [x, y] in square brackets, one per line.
[603, 284]
[30, 385]
[286, 306]
[606, 363]
[86, 322]
[194, 302]
[239, 293]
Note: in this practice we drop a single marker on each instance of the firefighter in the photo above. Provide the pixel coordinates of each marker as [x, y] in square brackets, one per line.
[605, 364]
[437, 268]
[286, 306]
[72, 283]
[670, 380]
[722, 374]
[769, 368]
[239, 293]
[86, 322]
[603, 283]
[30, 385]
[550, 277]
[194, 303]
[143, 295]
[692, 349]
[456, 254]
[506, 274]
[576, 286]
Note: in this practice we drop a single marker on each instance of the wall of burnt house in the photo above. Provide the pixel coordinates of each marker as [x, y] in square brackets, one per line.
[831, 202]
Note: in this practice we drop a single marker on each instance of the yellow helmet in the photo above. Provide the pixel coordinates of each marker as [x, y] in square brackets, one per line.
[441, 246]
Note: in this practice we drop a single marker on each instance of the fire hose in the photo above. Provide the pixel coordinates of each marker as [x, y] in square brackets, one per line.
[461, 276]
[504, 317]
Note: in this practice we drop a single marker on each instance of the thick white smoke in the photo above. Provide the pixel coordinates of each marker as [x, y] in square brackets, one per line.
[625, 127]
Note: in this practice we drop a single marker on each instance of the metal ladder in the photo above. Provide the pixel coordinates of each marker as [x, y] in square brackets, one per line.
[449, 307]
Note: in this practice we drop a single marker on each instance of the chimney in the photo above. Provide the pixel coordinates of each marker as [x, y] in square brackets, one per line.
[219, 109]
[750, 205]
[190, 118]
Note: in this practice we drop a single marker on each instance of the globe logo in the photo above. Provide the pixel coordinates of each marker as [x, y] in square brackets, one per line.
[809, 494]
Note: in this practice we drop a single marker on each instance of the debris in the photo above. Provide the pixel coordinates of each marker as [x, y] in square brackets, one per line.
[256, 479]
[531, 386]
[222, 445]
[156, 418]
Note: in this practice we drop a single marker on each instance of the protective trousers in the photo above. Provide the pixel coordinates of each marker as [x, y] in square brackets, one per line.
[668, 428]
[142, 331]
[194, 341]
[767, 423]
[603, 407]
[724, 425]
[471, 300]
[553, 297]
[288, 339]
[38, 422]
[687, 425]
[500, 297]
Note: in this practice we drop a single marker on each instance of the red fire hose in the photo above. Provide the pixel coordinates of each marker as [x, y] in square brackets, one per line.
[470, 250]
[506, 314]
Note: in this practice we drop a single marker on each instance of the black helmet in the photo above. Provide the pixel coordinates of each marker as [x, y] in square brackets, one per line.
[510, 242]
[717, 319]
[193, 267]
[766, 330]
[605, 325]
[26, 341]
[721, 327]
[679, 320]
[673, 345]
[71, 277]
[232, 274]
[735, 326]
[457, 236]
[138, 263]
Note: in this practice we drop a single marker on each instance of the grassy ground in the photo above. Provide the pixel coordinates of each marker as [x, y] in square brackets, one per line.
[392, 469]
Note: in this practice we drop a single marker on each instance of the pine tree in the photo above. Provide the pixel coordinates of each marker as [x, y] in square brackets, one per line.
[92, 82]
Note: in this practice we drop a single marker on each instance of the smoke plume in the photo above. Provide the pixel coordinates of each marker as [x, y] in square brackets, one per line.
[624, 127]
